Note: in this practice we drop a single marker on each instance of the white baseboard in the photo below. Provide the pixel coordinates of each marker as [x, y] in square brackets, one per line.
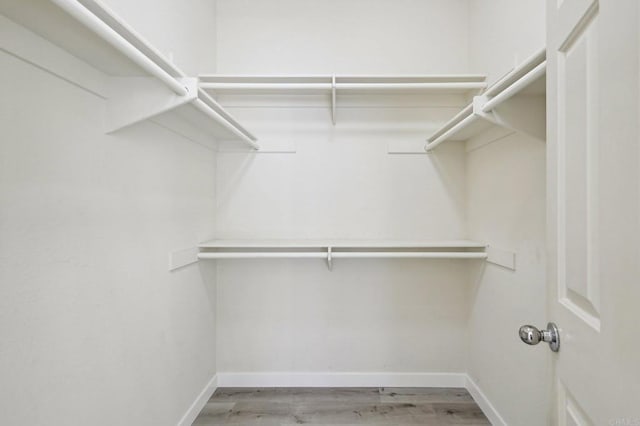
[287, 379]
[199, 403]
[483, 402]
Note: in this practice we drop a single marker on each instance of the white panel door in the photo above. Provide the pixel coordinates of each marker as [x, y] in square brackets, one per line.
[593, 209]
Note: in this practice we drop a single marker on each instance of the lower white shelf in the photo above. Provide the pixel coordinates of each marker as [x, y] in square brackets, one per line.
[343, 255]
[262, 255]
[340, 249]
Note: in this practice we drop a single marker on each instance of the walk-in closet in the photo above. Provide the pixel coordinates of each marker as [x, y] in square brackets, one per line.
[324, 212]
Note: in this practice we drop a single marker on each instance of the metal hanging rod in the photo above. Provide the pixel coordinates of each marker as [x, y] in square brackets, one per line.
[262, 255]
[409, 255]
[342, 255]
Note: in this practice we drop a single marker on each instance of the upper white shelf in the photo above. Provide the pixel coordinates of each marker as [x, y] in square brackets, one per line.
[523, 90]
[138, 82]
[332, 85]
[352, 244]
[239, 84]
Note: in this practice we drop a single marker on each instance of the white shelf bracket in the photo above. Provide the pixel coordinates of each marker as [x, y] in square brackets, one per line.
[135, 99]
[329, 258]
[524, 114]
[478, 104]
[333, 99]
[500, 257]
[181, 258]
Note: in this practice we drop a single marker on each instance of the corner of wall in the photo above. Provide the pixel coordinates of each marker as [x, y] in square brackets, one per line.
[470, 61]
[215, 36]
[199, 403]
[483, 402]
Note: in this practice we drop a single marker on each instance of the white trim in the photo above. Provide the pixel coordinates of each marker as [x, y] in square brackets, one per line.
[483, 402]
[197, 405]
[288, 379]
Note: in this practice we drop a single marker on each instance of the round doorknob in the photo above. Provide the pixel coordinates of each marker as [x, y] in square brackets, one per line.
[532, 336]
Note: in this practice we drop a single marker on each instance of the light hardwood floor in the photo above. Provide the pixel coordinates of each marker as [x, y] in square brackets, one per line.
[341, 406]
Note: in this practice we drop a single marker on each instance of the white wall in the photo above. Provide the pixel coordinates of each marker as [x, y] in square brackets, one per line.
[341, 182]
[503, 33]
[95, 330]
[506, 208]
[355, 36]
[181, 29]
[364, 316]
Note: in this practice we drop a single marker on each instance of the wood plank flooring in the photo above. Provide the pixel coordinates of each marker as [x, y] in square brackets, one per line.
[341, 406]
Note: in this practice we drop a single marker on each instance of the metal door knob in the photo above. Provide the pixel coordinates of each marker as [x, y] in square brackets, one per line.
[532, 336]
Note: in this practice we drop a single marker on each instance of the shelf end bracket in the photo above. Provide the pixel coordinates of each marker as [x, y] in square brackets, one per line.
[135, 99]
[333, 99]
